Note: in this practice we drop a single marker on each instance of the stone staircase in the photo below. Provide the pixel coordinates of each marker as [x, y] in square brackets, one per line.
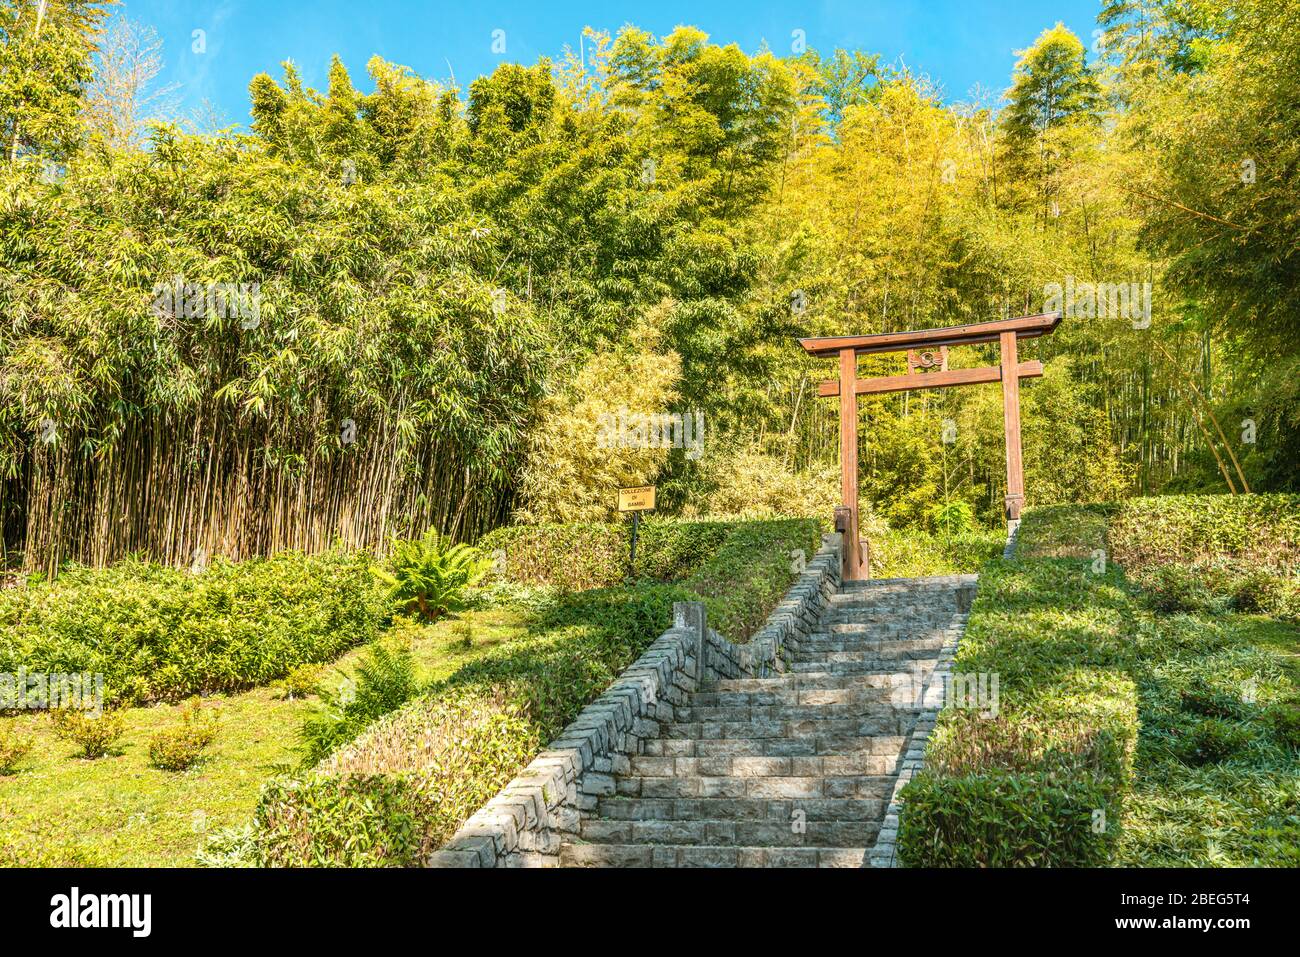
[792, 770]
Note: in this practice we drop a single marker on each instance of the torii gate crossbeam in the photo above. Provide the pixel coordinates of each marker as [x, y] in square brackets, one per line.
[928, 349]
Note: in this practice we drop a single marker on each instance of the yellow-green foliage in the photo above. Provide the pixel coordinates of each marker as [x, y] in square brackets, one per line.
[94, 734]
[1262, 530]
[180, 746]
[569, 476]
[754, 484]
[399, 790]
[13, 748]
[163, 634]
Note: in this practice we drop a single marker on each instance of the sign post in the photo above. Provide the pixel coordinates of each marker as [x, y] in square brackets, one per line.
[636, 501]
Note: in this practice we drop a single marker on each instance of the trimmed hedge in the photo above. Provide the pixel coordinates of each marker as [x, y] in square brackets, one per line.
[426, 780]
[1173, 726]
[1260, 530]
[1021, 789]
[391, 796]
[162, 634]
[595, 555]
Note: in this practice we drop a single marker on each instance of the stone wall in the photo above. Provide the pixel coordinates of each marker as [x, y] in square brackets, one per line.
[525, 824]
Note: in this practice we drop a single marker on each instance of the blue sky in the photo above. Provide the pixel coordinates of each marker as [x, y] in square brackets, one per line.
[958, 43]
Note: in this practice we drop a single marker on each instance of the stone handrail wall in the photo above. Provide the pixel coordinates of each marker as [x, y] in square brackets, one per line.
[525, 824]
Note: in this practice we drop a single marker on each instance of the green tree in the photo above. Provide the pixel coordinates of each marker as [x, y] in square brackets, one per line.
[46, 53]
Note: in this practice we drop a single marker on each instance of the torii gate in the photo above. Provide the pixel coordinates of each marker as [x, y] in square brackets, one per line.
[927, 367]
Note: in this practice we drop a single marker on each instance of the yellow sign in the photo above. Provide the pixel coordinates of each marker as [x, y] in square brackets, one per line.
[636, 499]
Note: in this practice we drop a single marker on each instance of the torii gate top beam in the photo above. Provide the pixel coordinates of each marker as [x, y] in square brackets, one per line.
[1024, 327]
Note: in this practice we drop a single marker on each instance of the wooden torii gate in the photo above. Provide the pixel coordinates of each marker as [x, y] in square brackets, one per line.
[927, 368]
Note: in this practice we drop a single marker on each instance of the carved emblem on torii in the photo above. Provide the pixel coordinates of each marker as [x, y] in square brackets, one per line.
[928, 360]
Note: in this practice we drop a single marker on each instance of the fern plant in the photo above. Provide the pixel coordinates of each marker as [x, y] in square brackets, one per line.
[430, 575]
[384, 680]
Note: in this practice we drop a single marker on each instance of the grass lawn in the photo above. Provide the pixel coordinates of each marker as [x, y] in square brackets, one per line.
[58, 809]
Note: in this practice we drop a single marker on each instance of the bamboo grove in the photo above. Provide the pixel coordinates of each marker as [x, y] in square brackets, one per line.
[449, 285]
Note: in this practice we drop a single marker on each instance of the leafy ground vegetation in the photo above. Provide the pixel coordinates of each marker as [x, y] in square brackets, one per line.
[1133, 728]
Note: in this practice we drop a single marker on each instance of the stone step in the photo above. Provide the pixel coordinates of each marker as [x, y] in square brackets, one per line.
[830, 704]
[840, 630]
[911, 584]
[778, 697]
[866, 665]
[765, 786]
[777, 747]
[821, 643]
[649, 855]
[706, 832]
[741, 809]
[886, 720]
[766, 765]
[801, 681]
[908, 647]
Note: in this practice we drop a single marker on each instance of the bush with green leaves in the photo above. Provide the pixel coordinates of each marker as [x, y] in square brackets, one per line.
[181, 746]
[1210, 741]
[13, 748]
[429, 575]
[1004, 819]
[1262, 531]
[398, 791]
[595, 554]
[162, 634]
[94, 734]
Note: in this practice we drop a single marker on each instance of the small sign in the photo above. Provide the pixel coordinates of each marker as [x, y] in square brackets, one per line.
[636, 499]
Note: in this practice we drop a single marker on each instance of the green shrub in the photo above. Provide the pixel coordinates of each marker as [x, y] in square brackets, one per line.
[913, 553]
[400, 789]
[385, 679]
[1201, 698]
[953, 518]
[1210, 741]
[751, 571]
[161, 634]
[1261, 530]
[575, 556]
[1179, 589]
[180, 747]
[1005, 819]
[94, 734]
[1065, 531]
[1284, 724]
[302, 681]
[595, 555]
[13, 748]
[430, 575]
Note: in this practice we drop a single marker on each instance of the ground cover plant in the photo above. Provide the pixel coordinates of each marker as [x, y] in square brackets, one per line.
[1175, 724]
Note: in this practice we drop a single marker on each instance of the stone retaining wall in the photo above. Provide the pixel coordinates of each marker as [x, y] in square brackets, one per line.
[525, 824]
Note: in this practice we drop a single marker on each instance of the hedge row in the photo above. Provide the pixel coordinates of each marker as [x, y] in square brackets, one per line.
[403, 786]
[160, 633]
[1262, 531]
[1043, 782]
[595, 555]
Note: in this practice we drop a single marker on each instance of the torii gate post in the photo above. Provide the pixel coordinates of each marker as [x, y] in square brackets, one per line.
[927, 350]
